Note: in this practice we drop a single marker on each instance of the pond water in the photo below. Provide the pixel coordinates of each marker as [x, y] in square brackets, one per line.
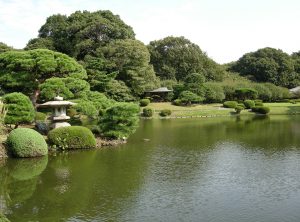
[202, 169]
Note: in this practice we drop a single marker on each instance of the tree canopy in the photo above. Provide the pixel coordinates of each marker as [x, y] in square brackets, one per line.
[175, 57]
[130, 58]
[83, 32]
[268, 65]
[26, 71]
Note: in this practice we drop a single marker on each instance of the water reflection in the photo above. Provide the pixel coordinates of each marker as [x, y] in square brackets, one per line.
[244, 168]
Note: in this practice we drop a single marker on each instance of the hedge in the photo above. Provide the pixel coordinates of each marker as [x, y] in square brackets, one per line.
[177, 102]
[259, 104]
[40, 116]
[255, 108]
[72, 137]
[148, 111]
[264, 110]
[230, 104]
[166, 112]
[249, 104]
[144, 102]
[24, 142]
[238, 109]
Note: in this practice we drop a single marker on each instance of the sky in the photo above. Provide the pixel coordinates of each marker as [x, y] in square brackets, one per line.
[224, 29]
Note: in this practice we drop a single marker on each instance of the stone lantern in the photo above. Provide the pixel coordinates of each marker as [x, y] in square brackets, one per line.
[59, 108]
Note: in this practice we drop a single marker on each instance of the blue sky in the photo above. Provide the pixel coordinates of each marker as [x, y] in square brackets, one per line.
[225, 29]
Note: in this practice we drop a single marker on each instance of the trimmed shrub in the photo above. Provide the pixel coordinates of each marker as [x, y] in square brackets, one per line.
[166, 112]
[94, 128]
[71, 112]
[264, 110]
[74, 121]
[249, 104]
[259, 104]
[258, 101]
[102, 112]
[72, 137]
[24, 142]
[148, 111]
[40, 116]
[230, 104]
[177, 102]
[241, 105]
[238, 109]
[20, 109]
[255, 108]
[144, 102]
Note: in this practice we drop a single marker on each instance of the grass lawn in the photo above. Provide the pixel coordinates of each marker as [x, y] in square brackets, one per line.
[218, 109]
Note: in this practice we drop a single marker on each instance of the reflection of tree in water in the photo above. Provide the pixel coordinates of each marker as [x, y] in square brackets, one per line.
[4, 180]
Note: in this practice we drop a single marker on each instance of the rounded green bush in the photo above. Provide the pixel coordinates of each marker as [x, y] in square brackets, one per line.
[257, 101]
[71, 112]
[166, 112]
[72, 137]
[255, 108]
[24, 142]
[241, 105]
[264, 110]
[144, 102]
[249, 104]
[259, 104]
[40, 116]
[102, 112]
[148, 111]
[177, 102]
[230, 104]
[94, 128]
[238, 109]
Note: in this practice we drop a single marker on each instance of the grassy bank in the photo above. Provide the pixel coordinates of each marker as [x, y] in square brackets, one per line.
[218, 109]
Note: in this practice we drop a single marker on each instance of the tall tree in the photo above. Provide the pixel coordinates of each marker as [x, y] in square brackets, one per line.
[268, 65]
[131, 59]
[83, 32]
[28, 70]
[176, 57]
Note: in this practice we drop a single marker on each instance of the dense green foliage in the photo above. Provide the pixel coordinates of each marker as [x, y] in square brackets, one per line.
[3, 218]
[95, 129]
[40, 116]
[24, 142]
[83, 32]
[242, 105]
[238, 109]
[246, 93]
[219, 93]
[102, 112]
[230, 104]
[264, 110]
[131, 59]
[269, 65]
[26, 71]
[175, 57]
[144, 102]
[249, 104]
[188, 97]
[71, 112]
[20, 109]
[255, 108]
[259, 104]
[3, 112]
[177, 102]
[40, 43]
[120, 120]
[166, 112]
[148, 111]
[72, 137]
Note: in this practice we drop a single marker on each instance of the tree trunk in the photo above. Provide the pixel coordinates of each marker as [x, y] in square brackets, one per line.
[34, 97]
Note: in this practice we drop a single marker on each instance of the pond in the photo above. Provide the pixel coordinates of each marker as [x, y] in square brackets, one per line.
[196, 169]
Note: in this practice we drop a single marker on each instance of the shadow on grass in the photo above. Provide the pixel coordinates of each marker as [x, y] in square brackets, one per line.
[293, 110]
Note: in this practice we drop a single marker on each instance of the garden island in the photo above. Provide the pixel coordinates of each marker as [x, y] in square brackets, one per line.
[110, 81]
